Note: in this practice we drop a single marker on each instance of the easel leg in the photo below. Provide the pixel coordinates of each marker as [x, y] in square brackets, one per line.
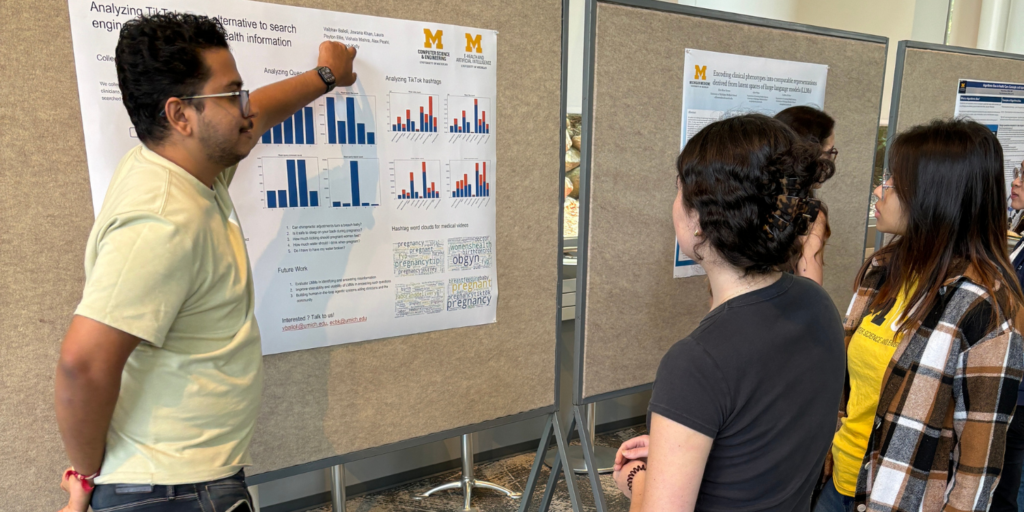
[531, 482]
[559, 467]
[468, 482]
[588, 454]
[338, 488]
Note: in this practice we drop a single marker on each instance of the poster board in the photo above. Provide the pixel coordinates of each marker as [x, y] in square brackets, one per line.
[925, 81]
[927, 78]
[320, 406]
[632, 308]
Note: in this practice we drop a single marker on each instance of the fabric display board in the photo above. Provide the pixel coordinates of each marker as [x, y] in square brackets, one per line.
[632, 309]
[322, 406]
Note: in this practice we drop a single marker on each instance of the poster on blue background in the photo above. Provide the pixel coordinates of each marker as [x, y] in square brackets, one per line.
[720, 85]
[1000, 106]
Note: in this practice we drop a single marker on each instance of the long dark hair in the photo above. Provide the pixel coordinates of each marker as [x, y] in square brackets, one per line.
[948, 175]
[808, 122]
[749, 178]
[815, 126]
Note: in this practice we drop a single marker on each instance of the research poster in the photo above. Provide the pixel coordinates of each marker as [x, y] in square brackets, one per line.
[719, 85]
[1000, 107]
[370, 212]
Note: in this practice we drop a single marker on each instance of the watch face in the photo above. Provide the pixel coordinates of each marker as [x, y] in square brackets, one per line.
[325, 72]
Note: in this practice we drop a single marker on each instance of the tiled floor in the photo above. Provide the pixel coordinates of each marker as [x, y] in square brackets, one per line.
[511, 473]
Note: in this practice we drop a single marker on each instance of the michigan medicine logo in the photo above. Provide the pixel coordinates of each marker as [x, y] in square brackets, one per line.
[700, 77]
[433, 44]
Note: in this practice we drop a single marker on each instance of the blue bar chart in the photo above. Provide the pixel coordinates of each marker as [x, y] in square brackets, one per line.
[297, 129]
[468, 114]
[354, 182]
[416, 179]
[290, 182]
[470, 178]
[350, 119]
[413, 112]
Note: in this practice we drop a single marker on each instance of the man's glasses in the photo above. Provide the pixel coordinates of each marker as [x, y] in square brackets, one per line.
[243, 100]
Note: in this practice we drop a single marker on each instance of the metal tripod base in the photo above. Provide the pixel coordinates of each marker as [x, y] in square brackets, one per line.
[468, 482]
[604, 457]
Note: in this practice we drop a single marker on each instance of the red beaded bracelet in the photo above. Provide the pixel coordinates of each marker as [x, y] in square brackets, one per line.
[633, 472]
[85, 480]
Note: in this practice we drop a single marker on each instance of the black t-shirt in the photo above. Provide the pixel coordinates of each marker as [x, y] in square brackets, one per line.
[763, 376]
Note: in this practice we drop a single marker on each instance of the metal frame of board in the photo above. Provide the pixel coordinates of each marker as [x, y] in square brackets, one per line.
[897, 87]
[577, 420]
[552, 427]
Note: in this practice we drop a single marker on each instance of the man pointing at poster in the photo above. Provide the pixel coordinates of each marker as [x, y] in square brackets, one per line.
[160, 373]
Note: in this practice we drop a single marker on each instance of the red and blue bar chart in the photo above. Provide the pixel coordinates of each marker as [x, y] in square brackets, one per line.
[290, 182]
[474, 181]
[354, 182]
[343, 115]
[297, 129]
[468, 114]
[412, 112]
[423, 177]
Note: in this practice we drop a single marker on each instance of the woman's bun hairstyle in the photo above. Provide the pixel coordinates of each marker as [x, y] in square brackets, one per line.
[750, 179]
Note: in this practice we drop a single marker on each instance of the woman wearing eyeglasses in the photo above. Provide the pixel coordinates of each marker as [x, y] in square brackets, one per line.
[813, 125]
[1005, 497]
[933, 347]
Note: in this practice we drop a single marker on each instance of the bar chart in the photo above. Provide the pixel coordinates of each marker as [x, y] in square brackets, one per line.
[413, 112]
[351, 119]
[468, 114]
[354, 182]
[471, 178]
[290, 182]
[416, 179]
[297, 129]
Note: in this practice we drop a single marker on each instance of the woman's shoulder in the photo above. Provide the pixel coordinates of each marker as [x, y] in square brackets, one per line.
[974, 308]
[688, 352]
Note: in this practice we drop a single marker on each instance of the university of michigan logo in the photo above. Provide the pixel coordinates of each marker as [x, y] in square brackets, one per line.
[473, 44]
[433, 39]
[701, 73]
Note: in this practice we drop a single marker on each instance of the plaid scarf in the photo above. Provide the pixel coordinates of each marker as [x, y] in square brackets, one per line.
[947, 398]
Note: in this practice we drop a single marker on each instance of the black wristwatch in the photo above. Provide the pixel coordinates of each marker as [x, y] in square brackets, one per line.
[327, 77]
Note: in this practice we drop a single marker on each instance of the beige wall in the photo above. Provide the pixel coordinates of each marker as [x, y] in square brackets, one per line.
[890, 18]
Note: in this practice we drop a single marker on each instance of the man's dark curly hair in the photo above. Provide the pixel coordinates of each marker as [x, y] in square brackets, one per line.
[159, 57]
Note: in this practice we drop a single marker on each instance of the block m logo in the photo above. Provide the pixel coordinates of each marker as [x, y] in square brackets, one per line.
[701, 73]
[433, 39]
[473, 44]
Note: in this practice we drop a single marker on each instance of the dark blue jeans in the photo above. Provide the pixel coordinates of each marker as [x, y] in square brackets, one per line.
[831, 501]
[227, 495]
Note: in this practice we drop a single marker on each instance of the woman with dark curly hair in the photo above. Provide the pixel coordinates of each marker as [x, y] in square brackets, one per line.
[743, 408]
[815, 126]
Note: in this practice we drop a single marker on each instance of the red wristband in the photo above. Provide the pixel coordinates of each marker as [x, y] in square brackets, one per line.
[85, 480]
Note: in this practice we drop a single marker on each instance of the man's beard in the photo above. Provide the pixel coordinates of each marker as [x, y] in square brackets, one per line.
[218, 148]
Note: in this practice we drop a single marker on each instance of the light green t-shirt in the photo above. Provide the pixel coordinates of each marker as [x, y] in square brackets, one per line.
[166, 262]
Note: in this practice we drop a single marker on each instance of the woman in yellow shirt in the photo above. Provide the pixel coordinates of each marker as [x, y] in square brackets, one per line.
[933, 339]
[867, 357]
